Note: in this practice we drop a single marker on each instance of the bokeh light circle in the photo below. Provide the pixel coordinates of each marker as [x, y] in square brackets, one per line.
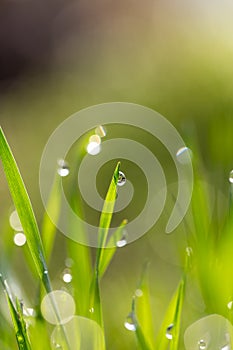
[124, 114]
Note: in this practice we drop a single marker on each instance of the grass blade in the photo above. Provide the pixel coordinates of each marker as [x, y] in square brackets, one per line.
[144, 314]
[104, 224]
[48, 228]
[111, 248]
[17, 320]
[24, 208]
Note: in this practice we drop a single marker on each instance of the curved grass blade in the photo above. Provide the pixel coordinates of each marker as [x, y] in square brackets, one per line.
[17, 319]
[24, 208]
[48, 228]
[169, 333]
[142, 341]
[111, 248]
[144, 314]
[104, 224]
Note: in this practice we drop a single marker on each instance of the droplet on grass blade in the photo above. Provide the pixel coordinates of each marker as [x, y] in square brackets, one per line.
[183, 155]
[201, 344]
[123, 241]
[15, 221]
[67, 277]
[121, 179]
[231, 177]
[229, 305]
[100, 131]
[130, 322]
[63, 169]
[138, 293]
[169, 331]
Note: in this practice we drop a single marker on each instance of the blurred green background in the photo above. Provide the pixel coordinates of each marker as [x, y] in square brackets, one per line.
[172, 56]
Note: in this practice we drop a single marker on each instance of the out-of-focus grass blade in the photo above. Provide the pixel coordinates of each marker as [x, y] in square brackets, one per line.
[24, 208]
[17, 320]
[48, 228]
[144, 314]
[104, 224]
[111, 248]
[170, 329]
[142, 341]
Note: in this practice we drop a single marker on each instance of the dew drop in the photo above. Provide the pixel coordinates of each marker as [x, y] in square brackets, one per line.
[202, 344]
[93, 148]
[226, 347]
[229, 305]
[91, 310]
[183, 155]
[67, 277]
[63, 168]
[95, 138]
[189, 251]
[231, 177]
[20, 239]
[130, 322]
[123, 241]
[169, 331]
[121, 179]
[100, 131]
[138, 293]
[15, 221]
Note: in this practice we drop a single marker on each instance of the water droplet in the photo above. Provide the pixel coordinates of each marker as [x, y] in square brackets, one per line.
[130, 322]
[231, 177]
[230, 304]
[63, 168]
[189, 251]
[67, 277]
[121, 179]
[184, 155]
[15, 221]
[101, 131]
[138, 293]
[93, 148]
[46, 272]
[169, 331]
[123, 241]
[202, 344]
[20, 239]
[95, 139]
[91, 310]
[226, 347]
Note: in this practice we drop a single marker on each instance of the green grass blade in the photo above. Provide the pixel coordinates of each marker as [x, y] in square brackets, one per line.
[48, 228]
[23, 206]
[17, 320]
[172, 320]
[104, 224]
[142, 341]
[144, 314]
[111, 248]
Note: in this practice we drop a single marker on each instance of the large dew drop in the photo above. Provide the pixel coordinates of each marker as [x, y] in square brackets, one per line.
[169, 331]
[121, 179]
[15, 221]
[130, 322]
[63, 168]
[58, 307]
[184, 155]
[123, 241]
[231, 177]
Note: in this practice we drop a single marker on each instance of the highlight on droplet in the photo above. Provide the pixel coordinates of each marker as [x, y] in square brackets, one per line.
[63, 168]
[94, 145]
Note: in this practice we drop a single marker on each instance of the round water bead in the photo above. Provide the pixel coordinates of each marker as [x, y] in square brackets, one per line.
[130, 322]
[169, 331]
[121, 179]
[231, 176]
[20, 239]
[15, 221]
[58, 307]
[63, 168]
